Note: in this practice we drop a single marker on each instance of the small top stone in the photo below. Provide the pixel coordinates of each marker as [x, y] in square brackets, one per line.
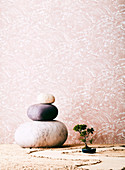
[45, 98]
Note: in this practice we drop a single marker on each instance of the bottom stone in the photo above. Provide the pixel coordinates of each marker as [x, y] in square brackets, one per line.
[41, 134]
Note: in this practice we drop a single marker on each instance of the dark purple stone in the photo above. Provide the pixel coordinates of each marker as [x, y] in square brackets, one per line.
[43, 112]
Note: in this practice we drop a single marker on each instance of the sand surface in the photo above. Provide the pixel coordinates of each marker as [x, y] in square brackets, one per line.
[68, 157]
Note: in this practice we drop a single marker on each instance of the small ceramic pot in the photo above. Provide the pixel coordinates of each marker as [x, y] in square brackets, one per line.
[89, 150]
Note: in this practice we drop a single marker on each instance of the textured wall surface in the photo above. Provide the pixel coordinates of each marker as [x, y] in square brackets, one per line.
[73, 49]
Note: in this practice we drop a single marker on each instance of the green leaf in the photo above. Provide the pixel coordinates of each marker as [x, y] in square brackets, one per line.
[90, 130]
[91, 141]
[80, 127]
[83, 133]
[76, 128]
[83, 140]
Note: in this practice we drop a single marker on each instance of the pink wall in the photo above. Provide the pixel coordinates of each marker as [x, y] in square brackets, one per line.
[73, 49]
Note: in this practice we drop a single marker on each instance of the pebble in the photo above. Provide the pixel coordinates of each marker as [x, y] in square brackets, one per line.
[45, 98]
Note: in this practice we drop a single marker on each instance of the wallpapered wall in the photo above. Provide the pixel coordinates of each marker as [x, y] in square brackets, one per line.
[73, 49]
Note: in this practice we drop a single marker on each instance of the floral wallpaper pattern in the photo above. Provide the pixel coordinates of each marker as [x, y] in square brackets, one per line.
[72, 49]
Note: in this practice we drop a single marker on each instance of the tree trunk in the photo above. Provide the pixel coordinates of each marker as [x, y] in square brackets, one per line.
[86, 145]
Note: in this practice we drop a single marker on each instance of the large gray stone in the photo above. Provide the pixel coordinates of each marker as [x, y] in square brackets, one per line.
[41, 134]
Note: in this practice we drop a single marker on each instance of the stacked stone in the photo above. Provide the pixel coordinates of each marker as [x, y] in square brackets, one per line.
[43, 130]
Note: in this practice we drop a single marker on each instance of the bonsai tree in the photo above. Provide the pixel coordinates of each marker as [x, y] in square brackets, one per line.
[85, 133]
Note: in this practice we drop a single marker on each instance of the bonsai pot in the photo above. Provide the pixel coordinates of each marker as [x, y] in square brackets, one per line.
[89, 150]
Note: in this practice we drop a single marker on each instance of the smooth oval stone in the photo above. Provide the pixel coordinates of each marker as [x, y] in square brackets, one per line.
[41, 134]
[42, 112]
[46, 98]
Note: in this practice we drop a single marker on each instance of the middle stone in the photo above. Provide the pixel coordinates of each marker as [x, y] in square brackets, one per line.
[45, 112]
